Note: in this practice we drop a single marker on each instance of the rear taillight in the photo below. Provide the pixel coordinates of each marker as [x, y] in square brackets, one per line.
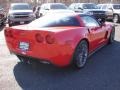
[39, 38]
[50, 39]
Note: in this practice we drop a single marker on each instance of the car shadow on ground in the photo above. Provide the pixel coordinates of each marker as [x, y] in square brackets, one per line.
[100, 73]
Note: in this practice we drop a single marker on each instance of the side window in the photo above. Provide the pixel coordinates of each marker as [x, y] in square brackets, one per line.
[42, 7]
[70, 21]
[109, 7]
[45, 7]
[75, 6]
[78, 6]
[90, 22]
[72, 6]
[104, 7]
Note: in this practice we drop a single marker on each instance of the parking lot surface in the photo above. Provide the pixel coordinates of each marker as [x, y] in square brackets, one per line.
[102, 71]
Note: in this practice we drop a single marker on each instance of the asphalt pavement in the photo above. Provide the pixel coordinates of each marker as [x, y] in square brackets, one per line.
[102, 71]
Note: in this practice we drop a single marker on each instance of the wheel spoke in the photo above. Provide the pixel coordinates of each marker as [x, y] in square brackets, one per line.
[81, 60]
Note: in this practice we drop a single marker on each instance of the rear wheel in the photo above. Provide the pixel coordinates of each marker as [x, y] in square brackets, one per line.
[80, 55]
[116, 18]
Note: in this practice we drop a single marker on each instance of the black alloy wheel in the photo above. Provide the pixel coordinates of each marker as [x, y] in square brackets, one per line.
[112, 36]
[81, 54]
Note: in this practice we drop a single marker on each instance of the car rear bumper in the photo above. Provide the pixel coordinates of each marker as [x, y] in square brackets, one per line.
[59, 55]
[18, 20]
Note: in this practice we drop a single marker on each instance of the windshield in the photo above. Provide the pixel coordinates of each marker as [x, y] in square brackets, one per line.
[58, 6]
[116, 6]
[20, 7]
[90, 6]
[54, 21]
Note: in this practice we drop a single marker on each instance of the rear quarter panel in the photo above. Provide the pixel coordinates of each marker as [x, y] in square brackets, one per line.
[72, 37]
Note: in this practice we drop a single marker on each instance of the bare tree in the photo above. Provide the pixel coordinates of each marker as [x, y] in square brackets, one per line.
[5, 3]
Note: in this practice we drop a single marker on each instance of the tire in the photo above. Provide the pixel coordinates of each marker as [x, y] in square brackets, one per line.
[116, 18]
[112, 36]
[80, 55]
[23, 59]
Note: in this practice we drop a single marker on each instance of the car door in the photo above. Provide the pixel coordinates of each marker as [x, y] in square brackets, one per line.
[97, 32]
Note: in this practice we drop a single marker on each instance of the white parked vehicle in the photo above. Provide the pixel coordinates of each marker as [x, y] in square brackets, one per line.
[112, 11]
[54, 8]
[20, 13]
[88, 8]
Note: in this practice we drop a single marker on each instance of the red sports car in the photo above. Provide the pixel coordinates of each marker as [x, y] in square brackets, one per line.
[59, 39]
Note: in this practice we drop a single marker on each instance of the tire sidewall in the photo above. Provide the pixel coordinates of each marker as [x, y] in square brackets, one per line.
[112, 36]
[77, 53]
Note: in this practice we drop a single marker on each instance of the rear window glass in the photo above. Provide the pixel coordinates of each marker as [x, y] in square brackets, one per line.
[104, 7]
[21, 7]
[58, 6]
[90, 21]
[90, 6]
[54, 21]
